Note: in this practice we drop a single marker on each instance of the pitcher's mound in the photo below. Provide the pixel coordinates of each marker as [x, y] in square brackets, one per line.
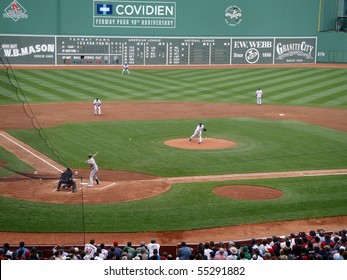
[206, 144]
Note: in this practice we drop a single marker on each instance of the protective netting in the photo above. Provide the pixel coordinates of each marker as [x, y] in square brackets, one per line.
[15, 95]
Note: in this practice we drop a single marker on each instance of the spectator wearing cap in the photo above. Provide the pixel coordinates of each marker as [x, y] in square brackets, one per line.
[312, 234]
[212, 255]
[245, 254]
[184, 252]
[118, 251]
[151, 246]
[22, 247]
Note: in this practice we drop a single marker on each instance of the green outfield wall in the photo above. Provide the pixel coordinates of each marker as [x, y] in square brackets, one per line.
[180, 19]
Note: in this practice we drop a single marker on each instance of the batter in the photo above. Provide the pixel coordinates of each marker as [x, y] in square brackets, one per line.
[93, 170]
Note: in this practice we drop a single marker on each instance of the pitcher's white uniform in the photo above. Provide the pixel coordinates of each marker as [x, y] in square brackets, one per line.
[97, 106]
[198, 131]
[94, 168]
[258, 94]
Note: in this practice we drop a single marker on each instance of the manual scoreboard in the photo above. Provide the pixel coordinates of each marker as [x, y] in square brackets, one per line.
[142, 51]
[107, 50]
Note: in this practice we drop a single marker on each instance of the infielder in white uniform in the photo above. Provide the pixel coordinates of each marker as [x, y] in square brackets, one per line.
[258, 94]
[125, 69]
[93, 170]
[198, 131]
[97, 106]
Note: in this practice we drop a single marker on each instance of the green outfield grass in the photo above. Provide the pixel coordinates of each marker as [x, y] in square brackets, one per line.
[263, 145]
[324, 87]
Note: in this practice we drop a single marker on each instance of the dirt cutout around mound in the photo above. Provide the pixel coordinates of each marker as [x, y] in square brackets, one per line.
[244, 192]
[206, 144]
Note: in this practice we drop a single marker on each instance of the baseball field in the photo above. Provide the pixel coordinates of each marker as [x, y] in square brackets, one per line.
[261, 170]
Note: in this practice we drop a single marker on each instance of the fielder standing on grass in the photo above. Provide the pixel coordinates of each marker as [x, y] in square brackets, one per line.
[97, 106]
[259, 94]
[125, 69]
[198, 131]
[93, 170]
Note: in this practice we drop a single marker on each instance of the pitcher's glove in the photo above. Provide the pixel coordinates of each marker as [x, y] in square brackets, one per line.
[205, 129]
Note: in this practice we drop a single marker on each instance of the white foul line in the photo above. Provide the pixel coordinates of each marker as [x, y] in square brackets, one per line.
[110, 185]
[30, 152]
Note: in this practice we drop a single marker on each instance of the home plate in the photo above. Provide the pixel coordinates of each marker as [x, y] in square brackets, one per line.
[281, 115]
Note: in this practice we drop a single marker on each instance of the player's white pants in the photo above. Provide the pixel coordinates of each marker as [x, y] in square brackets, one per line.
[97, 110]
[92, 176]
[258, 100]
[196, 133]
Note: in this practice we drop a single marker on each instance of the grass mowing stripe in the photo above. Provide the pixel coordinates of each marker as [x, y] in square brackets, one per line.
[205, 85]
[339, 101]
[299, 89]
[324, 91]
[59, 87]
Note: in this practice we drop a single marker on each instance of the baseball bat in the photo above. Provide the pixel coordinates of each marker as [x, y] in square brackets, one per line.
[95, 154]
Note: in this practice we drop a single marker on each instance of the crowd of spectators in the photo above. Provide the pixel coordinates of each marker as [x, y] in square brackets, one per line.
[315, 245]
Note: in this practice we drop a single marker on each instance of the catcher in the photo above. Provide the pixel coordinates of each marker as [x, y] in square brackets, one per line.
[198, 131]
[66, 179]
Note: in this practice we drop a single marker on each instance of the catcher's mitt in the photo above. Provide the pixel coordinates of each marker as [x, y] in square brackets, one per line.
[205, 129]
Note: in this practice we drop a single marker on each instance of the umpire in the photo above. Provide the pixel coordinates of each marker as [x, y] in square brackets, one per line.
[67, 178]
